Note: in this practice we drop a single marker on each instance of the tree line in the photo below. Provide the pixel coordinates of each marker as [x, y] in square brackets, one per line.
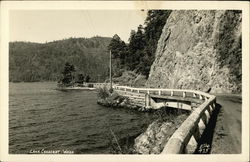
[30, 62]
[44, 62]
[139, 54]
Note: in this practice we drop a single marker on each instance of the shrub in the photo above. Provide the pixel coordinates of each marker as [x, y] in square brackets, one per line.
[103, 92]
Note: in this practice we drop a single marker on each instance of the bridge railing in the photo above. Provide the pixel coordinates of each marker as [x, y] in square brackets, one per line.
[96, 85]
[167, 92]
[186, 137]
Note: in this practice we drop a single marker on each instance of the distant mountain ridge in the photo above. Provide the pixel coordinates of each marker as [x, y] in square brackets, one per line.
[29, 61]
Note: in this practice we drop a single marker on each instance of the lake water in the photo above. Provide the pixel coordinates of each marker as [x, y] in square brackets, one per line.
[42, 119]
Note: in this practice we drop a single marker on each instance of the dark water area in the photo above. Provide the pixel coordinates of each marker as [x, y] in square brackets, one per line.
[42, 118]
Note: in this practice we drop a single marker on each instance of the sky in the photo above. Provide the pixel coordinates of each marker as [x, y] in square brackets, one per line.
[48, 25]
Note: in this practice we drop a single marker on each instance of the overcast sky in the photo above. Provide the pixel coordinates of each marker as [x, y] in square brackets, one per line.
[49, 25]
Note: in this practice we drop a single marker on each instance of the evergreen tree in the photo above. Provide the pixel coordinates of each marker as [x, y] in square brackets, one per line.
[119, 50]
[154, 24]
[135, 47]
[80, 78]
[87, 79]
[139, 54]
[68, 74]
[117, 46]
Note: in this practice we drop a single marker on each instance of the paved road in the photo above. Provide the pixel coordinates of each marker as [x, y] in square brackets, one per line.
[227, 130]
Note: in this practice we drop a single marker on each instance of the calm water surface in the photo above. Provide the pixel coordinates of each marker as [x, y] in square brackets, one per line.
[41, 117]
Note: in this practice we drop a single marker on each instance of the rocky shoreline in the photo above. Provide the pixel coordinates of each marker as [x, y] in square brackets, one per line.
[116, 101]
[153, 140]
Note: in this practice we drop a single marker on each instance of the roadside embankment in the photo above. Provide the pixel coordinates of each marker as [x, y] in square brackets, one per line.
[153, 140]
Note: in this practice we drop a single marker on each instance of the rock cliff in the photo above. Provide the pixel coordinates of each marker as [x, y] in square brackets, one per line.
[154, 139]
[199, 49]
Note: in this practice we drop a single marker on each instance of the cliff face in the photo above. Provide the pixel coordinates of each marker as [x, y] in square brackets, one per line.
[199, 50]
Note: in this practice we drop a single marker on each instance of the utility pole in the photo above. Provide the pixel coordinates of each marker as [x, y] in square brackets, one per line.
[110, 71]
[98, 80]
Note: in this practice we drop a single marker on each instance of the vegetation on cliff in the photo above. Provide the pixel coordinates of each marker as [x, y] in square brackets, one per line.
[199, 49]
[45, 62]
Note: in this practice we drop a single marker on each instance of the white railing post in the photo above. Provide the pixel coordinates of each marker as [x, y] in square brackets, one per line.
[172, 93]
[159, 92]
[196, 122]
[184, 94]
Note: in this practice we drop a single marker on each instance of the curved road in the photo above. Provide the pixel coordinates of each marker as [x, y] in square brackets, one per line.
[227, 129]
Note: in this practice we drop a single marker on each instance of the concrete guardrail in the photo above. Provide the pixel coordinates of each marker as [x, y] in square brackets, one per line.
[187, 136]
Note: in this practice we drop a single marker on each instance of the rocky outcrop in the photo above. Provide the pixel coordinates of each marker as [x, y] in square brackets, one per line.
[115, 100]
[199, 50]
[154, 139]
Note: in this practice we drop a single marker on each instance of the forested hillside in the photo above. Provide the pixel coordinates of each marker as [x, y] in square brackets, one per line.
[45, 62]
[42, 62]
